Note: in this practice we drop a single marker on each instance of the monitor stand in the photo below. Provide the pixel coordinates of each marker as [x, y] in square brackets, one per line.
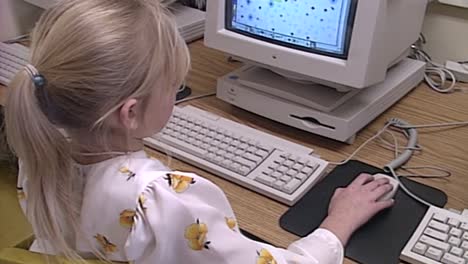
[314, 108]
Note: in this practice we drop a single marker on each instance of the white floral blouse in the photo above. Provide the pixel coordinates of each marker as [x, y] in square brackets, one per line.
[134, 209]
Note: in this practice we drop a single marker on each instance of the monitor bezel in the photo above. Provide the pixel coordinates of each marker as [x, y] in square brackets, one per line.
[348, 36]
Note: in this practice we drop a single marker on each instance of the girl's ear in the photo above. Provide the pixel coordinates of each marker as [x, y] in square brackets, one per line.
[128, 114]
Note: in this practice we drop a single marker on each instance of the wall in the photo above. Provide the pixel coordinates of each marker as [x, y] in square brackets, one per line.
[16, 18]
[446, 31]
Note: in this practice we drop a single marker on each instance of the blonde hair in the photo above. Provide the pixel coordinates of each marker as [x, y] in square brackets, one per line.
[94, 54]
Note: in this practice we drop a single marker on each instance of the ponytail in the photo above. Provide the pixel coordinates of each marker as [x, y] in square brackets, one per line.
[45, 157]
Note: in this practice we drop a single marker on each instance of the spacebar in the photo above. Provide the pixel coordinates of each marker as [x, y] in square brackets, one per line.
[199, 152]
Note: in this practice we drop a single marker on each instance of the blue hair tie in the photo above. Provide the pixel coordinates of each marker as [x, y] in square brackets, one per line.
[37, 78]
[39, 81]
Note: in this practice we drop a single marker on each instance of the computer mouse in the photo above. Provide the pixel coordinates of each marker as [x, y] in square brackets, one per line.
[394, 182]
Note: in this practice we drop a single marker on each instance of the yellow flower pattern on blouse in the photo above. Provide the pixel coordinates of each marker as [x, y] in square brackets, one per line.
[130, 174]
[265, 257]
[231, 222]
[196, 236]
[178, 182]
[106, 245]
[141, 202]
[127, 218]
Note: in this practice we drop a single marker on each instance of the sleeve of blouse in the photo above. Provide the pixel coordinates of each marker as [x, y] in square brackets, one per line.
[189, 218]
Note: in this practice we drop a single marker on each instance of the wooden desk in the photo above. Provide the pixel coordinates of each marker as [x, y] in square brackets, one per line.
[259, 215]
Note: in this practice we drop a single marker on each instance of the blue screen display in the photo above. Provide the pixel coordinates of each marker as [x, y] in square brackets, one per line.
[319, 26]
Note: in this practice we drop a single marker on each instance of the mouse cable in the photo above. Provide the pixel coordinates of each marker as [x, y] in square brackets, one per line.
[401, 158]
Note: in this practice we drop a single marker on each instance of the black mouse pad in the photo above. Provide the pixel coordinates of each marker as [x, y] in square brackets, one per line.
[382, 239]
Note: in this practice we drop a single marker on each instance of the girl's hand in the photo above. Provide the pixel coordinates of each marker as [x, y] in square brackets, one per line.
[353, 206]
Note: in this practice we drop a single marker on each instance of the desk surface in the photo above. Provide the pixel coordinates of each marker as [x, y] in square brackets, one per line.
[447, 148]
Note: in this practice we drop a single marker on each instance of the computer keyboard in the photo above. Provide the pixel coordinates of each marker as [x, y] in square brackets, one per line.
[13, 57]
[274, 167]
[441, 237]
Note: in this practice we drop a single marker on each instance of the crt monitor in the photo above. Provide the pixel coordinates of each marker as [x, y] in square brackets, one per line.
[339, 43]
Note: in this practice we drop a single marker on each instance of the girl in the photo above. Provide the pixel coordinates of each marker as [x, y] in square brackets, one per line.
[103, 75]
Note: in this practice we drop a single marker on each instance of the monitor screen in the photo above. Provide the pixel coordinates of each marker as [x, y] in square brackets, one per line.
[317, 26]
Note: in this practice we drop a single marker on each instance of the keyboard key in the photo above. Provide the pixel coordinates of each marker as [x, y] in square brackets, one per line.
[276, 175]
[465, 236]
[453, 222]
[211, 134]
[251, 149]
[221, 152]
[253, 157]
[227, 140]
[265, 179]
[285, 178]
[291, 186]
[280, 160]
[288, 163]
[244, 140]
[205, 146]
[464, 245]
[291, 172]
[436, 234]
[283, 169]
[465, 256]
[245, 162]
[218, 159]
[434, 243]
[230, 149]
[189, 148]
[297, 166]
[213, 149]
[456, 251]
[434, 253]
[420, 248]
[268, 171]
[464, 226]
[439, 226]
[454, 241]
[239, 152]
[244, 170]
[307, 170]
[278, 185]
[223, 145]
[210, 156]
[302, 176]
[226, 163]
[243, 146]
[440, 217]
[451, 259]
[235, 166]
[265, 148]
[455, 232]
[262, 153]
